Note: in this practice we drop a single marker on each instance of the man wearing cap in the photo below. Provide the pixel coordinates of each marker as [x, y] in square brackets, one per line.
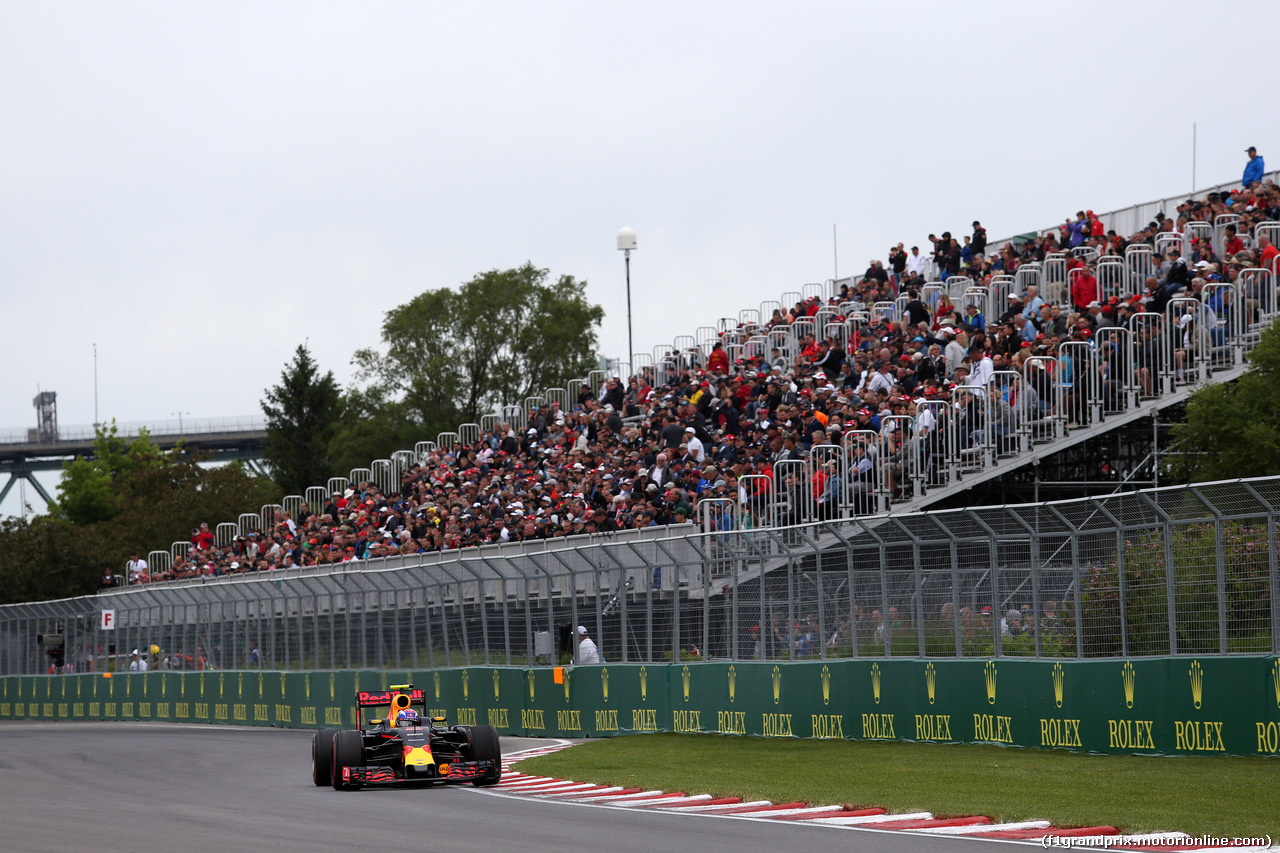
[587, 651]
[1254, 169]
[137, 663]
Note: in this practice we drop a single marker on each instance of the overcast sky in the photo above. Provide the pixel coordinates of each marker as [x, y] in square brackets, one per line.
[200, 187]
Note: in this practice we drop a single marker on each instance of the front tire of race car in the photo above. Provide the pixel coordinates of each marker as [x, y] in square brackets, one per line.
[322, 757]
[348, 751]
[485, 747]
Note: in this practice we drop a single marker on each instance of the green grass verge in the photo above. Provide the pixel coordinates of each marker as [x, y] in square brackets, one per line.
[1216, 796]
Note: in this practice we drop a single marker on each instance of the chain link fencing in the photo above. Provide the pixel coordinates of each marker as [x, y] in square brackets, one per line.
[1186, 570]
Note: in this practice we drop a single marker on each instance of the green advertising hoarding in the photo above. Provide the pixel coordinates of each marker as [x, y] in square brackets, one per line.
[1164, 706]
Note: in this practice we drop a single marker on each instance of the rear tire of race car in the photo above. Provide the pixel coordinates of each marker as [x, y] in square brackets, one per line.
[348, 751]
[322, 757]
[485, 747]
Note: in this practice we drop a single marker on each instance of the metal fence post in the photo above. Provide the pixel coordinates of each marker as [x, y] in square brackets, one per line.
[1218, 534]
[1273, 559]
[1124, 603]
[1170, 584]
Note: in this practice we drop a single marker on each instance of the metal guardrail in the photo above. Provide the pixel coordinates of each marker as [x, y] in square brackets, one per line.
[1187, 570]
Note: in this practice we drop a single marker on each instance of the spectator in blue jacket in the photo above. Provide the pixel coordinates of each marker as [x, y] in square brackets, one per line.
[1254, 168]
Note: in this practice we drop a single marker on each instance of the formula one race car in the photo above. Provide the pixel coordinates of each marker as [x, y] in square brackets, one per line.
[403, 748]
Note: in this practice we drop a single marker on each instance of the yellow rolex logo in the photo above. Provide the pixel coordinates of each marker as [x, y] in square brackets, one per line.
[240, 685]
[1058, 676]
[875, 682]
[333, 683]
[282, 685]
[990, 672]
[777, 684]
[684, 676]
[733, 683]
[64, 689]
[1128, 675]
[221, 685]
[826, 685]
[1197, 683]
[530, 686]
[436, 678]
[466, 685]
[644, 684]
[495, 685]
[604, 682]
[78, 684]
[931, 680]
[262, 676]
[307, 681]
[1275, 680]
[566, 685]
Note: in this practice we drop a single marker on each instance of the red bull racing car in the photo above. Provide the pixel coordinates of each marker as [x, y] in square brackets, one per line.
[402, 747]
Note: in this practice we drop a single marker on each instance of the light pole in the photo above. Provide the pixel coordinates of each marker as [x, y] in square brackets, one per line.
[181, 431]
[627, 242]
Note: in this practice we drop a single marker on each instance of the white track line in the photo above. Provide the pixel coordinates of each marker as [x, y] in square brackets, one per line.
[612, 789]
[613, 798]
[529, 781]
[559, 790]
[813, 810]
[548, 786]
[750, 805]
[871, 819]
[989, 827]
[657, 799]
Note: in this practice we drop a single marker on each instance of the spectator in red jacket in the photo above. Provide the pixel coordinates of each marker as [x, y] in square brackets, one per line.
[718, 361]
[1084, 289]
[201, 537]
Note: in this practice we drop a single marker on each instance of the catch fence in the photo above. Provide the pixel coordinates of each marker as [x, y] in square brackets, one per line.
[1187, 570]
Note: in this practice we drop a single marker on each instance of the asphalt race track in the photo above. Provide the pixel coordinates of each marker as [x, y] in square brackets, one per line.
[148, 787]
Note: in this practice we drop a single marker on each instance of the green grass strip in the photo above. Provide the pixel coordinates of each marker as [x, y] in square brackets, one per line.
[1236, 796]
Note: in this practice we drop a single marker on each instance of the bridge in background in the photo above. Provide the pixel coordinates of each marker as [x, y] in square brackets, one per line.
[24, 452]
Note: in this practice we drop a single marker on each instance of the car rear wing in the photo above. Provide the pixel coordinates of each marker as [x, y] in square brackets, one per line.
[383, 698]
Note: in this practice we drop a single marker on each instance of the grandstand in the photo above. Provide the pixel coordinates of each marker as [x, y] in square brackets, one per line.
[749, 487]
[795, 423]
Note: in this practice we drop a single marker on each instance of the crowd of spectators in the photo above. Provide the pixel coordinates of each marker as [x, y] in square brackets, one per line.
[645, 451]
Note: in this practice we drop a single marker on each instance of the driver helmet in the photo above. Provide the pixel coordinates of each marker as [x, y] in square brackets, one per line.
[408, 717]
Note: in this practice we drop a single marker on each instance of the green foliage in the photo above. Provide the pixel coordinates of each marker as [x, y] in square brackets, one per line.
[1195, 575]
[371, 427]
[1233, 430]
[129, 496]
[504, 335]
[49, 557]
[302, 415]
[87, 493]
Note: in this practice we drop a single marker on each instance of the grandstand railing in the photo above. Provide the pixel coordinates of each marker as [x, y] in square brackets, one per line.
[1121, 370]
[1178, 571]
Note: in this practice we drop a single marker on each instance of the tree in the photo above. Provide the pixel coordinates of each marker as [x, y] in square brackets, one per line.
[302, 414]
[371, 427]
[88, 491]
[506, 334]
[1233, 430]
[128, 496]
